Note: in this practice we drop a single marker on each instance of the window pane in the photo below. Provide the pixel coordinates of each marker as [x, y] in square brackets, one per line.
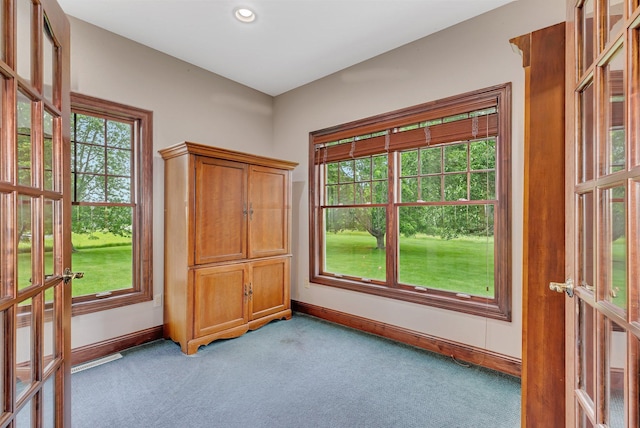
[24, 139]
[89, 129]
[363, 169]
[48, 63]
[50, 318]
[380, 192]
[409, 163]
[88, 158]
[25, 248]
[615, 12]
[409, 190]
[102, 248]
[615, 371]
[363, 193]
[23, 35]
[355, 242]
[586, 164]
[455, 187]
[431, 188]
[119, 134]
[586, 242]
[118, 189]
[119, 162]
[49, 237]
[24, 347]
[431, 160]
[482, 186]
[615, 245]
[587, 34]
[47, 151]
[448, 248]
[380, 168]
[332, 195]
[614, 90]
[49, 403]
[331, 173]
[482, 155]
[347, 171]
[586, 349]
[455, 158]
[23, 418]
[346, 194]
[89, 188]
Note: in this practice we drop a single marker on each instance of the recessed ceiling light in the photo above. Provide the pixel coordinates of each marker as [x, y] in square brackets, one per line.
[243, 14]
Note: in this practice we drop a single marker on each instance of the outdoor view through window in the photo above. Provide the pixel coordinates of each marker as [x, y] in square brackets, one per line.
[414, 204]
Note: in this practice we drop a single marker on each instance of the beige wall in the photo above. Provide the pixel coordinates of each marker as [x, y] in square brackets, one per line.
[190, 104]
[471, 55]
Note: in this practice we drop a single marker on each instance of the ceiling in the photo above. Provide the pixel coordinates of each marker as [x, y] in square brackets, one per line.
[290, 43]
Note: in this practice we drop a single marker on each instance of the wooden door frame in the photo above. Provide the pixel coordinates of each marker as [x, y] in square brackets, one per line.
[543, 315]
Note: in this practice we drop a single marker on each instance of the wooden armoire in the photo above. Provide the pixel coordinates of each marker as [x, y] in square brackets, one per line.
[227, 243]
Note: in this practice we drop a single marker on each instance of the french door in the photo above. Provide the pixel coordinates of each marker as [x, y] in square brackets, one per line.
[35, 298]
[603, 213]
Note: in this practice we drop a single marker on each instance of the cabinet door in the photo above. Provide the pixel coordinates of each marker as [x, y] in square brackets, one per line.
[268, 211]
[270, 284]
[220, 300]
[220, 210]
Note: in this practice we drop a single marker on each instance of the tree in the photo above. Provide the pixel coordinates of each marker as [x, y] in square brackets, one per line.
[102, 165]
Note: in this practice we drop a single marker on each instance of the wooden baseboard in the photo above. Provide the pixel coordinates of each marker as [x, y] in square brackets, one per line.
[458, 351]
[117, 344]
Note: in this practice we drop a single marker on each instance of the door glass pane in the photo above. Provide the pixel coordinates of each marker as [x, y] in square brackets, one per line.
[23, 35]
[49, 238]
[25, 248]
[615, 151]
[50, 318]
[615, 12]
[616, 373]
[587, 134]
[47, 151]
[49, 402]
[355, 242]
[586, 242]
[587, 34]
[448, 248]
[48, 63]
[24, 348]
[23, 419]
[24, 145]
[586, 349]
[615, 246]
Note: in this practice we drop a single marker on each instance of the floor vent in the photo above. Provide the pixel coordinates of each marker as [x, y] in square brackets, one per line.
[95, 363]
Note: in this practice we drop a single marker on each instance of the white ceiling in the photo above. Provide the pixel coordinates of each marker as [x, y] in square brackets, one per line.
[291, 42]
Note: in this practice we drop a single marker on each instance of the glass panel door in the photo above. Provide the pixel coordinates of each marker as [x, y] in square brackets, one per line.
[604, 213]
[35, 300]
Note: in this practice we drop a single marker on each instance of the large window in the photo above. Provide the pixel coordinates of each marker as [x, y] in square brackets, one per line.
[111, 192]
[415, 204]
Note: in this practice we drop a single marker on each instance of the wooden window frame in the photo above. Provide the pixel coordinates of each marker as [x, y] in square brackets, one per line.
[142, 290]
[323, 150]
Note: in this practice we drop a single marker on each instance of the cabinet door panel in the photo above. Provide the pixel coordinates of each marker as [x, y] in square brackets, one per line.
[220, 223]
[220, 301]
[270, 286]
[269, 211]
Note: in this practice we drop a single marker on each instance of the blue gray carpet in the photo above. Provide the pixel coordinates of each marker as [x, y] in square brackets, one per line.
[298, 373]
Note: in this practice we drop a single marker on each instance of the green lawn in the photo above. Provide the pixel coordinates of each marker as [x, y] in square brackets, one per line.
[463, 265]
[105, 259]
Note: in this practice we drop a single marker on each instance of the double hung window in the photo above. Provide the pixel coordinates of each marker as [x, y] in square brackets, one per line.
[415, 204]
